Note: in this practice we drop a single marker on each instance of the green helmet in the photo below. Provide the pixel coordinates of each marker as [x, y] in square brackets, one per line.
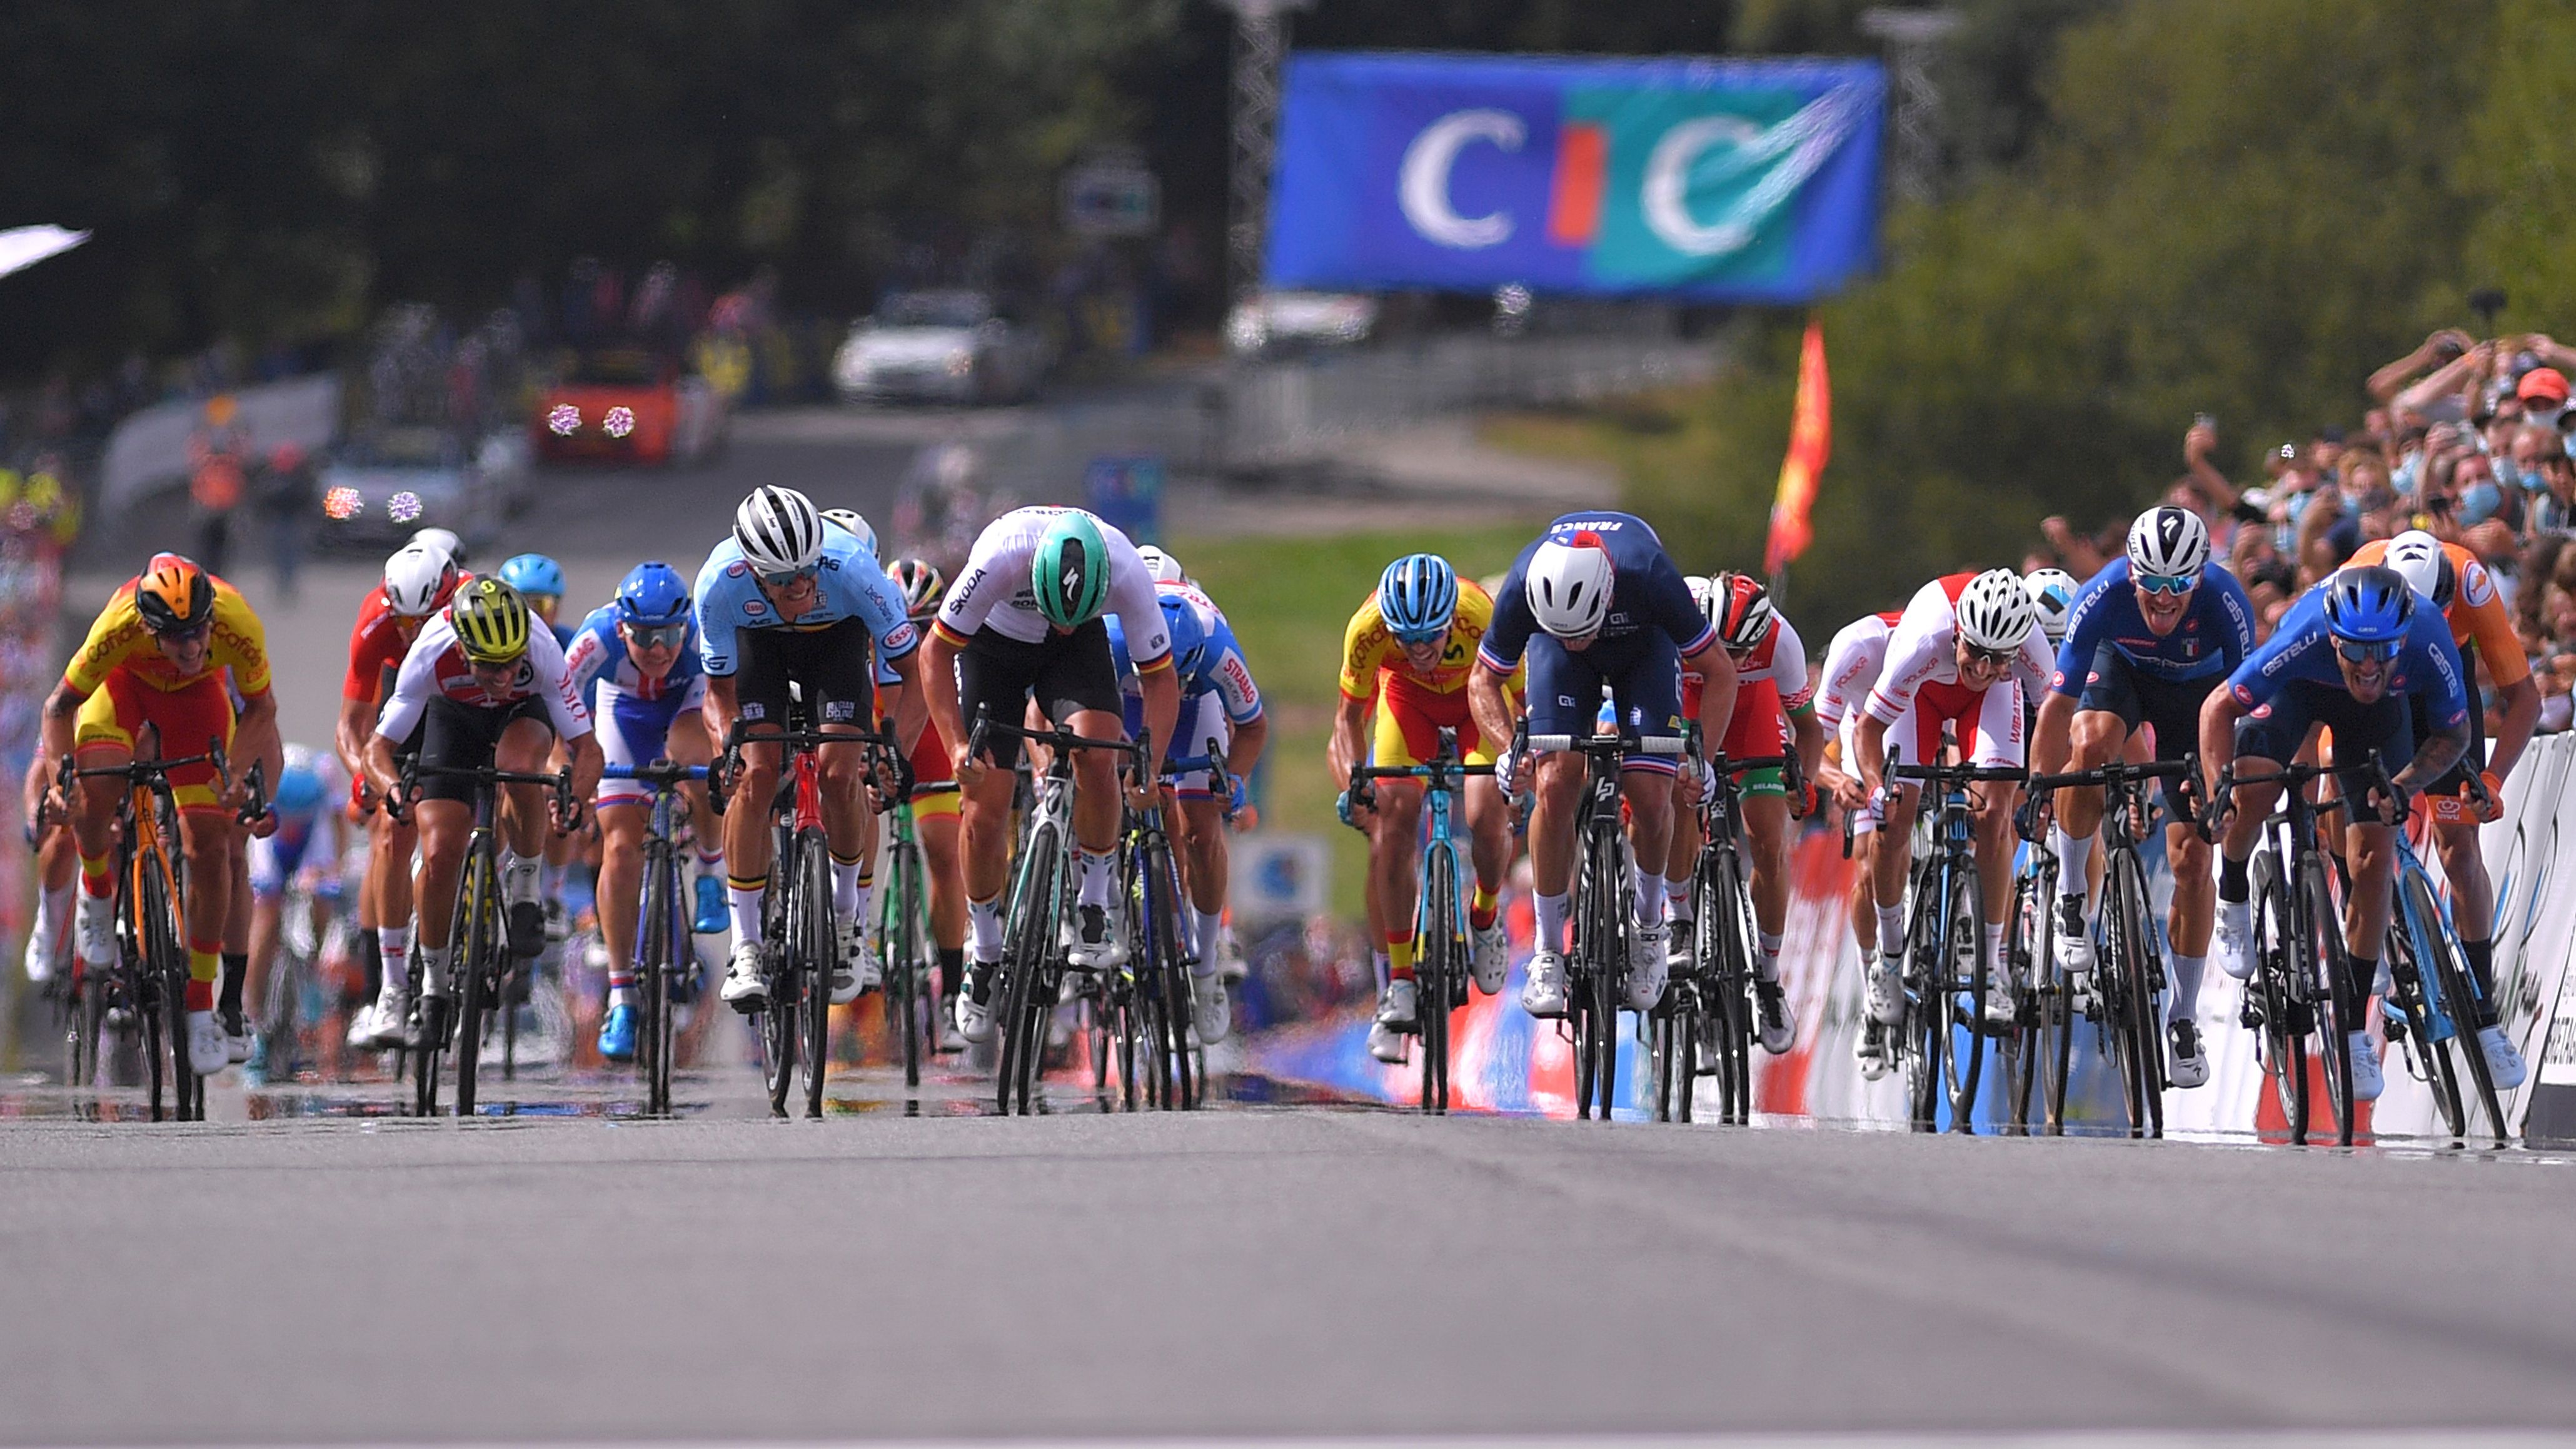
[1071, 571]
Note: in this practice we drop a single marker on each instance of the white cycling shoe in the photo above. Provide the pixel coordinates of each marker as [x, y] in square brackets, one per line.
[2074, 942]
[40, 947]
[1211, 1011]
[1543, 993]
[1679, 951]
[1649, 965]
[2232, 942]
[207, 1051]
[94, 930]
[1386, 1044]
[1886, 993]
[1489, 958]
[237, 1038]
[1777, 1023]
[2186, 1060]
[746, 983]
[2504, 1064]
[2366, 1081]
[857, 972]
[975, 1018]
[387, 1023]
[1870, 1050]
[1397, 1004]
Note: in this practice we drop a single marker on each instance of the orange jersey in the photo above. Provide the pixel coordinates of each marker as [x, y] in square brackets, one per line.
[2476, 613]
[119, 641]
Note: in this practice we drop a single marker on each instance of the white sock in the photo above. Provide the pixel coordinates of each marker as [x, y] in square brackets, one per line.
[433, 970]
[56, 909]
[1766, 961]
[1678, 905]
[2186, 986]
[2071, 857]
[1891, 928]
[984, 923]
[845, 889]
[746, 908]
[519, 876]
[621, 995]
[1995, 947]
[393, 943]
[1211, 925]
[1097, 877]
[1385, 965]
[711, 862]
[1649, 904]
[1551, 921]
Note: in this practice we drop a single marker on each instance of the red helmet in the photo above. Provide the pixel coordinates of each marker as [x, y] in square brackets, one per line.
[1741, 609]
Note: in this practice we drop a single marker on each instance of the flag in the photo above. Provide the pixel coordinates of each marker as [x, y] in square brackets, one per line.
[1811, 441]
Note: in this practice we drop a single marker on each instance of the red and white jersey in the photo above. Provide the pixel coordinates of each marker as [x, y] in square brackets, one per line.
[436, 666]
[1852, 665]
[381, 638]
[1924, 650]
[1780, 661]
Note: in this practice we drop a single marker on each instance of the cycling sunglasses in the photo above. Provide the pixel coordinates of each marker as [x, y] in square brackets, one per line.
[2363, 651]
[2164, 583]
[1997, 658]
[1428, 636]
[187, 633]
[790, 580]
[657, 636]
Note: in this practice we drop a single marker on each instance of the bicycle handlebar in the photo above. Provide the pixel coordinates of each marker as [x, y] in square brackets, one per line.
[2117, 772]
[661, 772]
[1957, 774]
[1603, 744]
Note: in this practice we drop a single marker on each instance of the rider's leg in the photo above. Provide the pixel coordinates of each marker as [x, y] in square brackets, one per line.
[1553, 818]
[1096, 807]
[2373, 853]
[237, 926]
[1489, 844]
[849, 825]
[1993, 802]
[2097, 736]
[1766, 832]
[57, 874]
[937, 831]
[103, 740]
[621, 889]
[393, 845]
[1203, 846]
[2472, 906]
[205, 838]
[525, 744]
[443, 828]
[686, 743]
[746, 837]
[1681, 859]
[1393, 865]
[2189, 920]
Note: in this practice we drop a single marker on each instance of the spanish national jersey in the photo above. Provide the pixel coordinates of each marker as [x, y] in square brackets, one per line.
[1372, 659]
[119, 641]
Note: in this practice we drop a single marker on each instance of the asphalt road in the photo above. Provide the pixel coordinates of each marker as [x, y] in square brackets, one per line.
[1252, 1272]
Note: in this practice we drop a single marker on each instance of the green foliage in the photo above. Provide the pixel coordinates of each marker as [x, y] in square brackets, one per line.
[2517, 159]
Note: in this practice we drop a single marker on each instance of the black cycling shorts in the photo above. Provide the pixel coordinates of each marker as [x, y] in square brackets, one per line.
[2280, 725]
[1065, 674]
[2114, 685]
[835, 665]
[462, 737]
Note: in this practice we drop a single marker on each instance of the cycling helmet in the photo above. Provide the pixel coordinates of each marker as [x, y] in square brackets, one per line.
[922, 584]
[1165, 568]
[534, 574]
[174, 596]
[1699, 585]
[1417, 596]
[1189, 642]
[2420, 559]
[652, 595]
[1995, 612]
[2372, 604]
[1071, 571]
[778, 531]
[491, 621]
[1741, 609]
[2053, 592]
[299, 782]
[1569, 585]
[445, 541]
[2168, 542]
[416, 577]
[859, 527]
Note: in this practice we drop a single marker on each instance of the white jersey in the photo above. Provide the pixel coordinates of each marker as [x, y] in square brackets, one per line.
[994, 589]
[1852, 665]
[1924, 650]
[436, 666]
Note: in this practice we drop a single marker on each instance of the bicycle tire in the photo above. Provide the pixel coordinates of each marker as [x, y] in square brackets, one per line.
[1965, 1022]
[777, 1016]
[653, 984]
[1595, 1033]
[819, 941]
[167, 958]
[2445, 978]
[905, 965]
[82, 1037]
[2408, 1012]
[1925, 1032]
[2145, 983]
[2056, 1039]
[2281, 1036]
[1036, 919]
[2018, 1050]
[156, 1026]
[2459, 986]
[2324, 967]
[1179, 986]
[468, 968]
[1436, 921]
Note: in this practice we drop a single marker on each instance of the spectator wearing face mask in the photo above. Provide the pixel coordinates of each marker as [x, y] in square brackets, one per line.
[2552, 501]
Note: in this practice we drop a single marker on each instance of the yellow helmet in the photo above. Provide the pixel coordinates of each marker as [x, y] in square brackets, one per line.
[491, 621]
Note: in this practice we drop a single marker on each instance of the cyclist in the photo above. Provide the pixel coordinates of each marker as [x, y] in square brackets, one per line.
[935, 811]
[159, 655]
[2153, 633]
[634, 662]
[1965, 653]
[420, 579]
[1853, 662]
[1775, 712]
[1165, 568]
[786, 601]
[849, 522]
[2348, 655]
[540, 581]
[1220, 703]
[2052, 592]
[1407, 651]
[2453, 580]
[480, 686]
[1596, 601]
[1021, 623]
[311, 837]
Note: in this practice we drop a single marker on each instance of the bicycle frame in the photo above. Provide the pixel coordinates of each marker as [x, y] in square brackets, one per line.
[1434, 919]
[661, 921]
[1945, 880]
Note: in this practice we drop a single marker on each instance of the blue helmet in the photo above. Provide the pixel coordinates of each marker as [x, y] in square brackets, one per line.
[534, 573]
[2369, 605]
[299, 782]
[1418, 596]
[1189, 638]
[653, 595]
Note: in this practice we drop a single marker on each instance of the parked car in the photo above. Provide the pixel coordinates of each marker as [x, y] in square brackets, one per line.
[1275, 322]
[381, 486]
[626, 405]
[939, 346]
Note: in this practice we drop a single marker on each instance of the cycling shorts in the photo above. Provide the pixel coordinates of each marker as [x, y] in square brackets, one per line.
[836, 665]
[1759, 728]
[1644, 672]
[185, 719]
[1064, 673]
[1201, 717]
[932, 767]
[463, 737]
[1988, 723]
[2279, 725]
[1409, 722]
[634, 731]
[275, 860]
[2454, 782]
[2168, 707]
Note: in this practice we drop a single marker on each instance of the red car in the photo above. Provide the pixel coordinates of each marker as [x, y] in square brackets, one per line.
[628, 407]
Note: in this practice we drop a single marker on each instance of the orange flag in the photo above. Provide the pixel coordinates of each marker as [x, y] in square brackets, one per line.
[1811, 442]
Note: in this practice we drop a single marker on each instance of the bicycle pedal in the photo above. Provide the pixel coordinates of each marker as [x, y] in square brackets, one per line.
[2394, 1025]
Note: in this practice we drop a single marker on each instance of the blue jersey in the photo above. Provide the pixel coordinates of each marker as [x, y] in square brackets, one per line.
[2301, 651]
[1199, 631]
[1648, 593]
[2213, 638]
[597, 655]
[852, 586]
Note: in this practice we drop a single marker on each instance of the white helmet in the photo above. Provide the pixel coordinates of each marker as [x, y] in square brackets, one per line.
[2420, 559]
[778, 530]
[1165, 568]
[1569, 586]
[414, 576]
[2053, 592]
[445, 541]
[2168, 542]
[1699, 587]
[1995, 612]
[858, 526]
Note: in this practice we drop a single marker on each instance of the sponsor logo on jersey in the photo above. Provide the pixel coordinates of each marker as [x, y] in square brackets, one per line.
[840, 711]
[2476, 586]
[736, 569]
[754, 606]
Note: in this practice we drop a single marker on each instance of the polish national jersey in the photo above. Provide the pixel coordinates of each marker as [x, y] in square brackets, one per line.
[598, 660]
[2302, 651]
[1924, 650]
[995, 589]
[1779, 661]
[2215, 634]
[850, 584]
[1647, 595]
[1200, 628]
[436, 668]
[1372, 658]
[1853, 662]
[118, 641]
[2476, 613]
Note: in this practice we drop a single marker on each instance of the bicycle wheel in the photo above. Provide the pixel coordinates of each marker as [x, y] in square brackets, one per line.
[2141, 1024]
[2408, 1015]
[2459, 998]
[2054, 1043]
[477, 951]
[1435, 925]
[1036, 917]
[1926, 1033]
[653, 971]
[1962, 1006]
[2323, 973]
[1171, 963]
[2419, 918]
[777, 1016]
[1728, 974]
[167, 961]
[2018, 1050]
[819, 943]
[904, 968]
[2283, 1017]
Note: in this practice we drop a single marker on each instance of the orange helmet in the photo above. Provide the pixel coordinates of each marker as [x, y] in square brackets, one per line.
[174, 596]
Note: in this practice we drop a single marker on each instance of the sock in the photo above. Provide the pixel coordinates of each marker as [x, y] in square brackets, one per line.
[1994, 946]
[1551, 921]
[984, 923]
[1097, 877]
[94, 878]
[205, 963]
[2233, 887]
[1211, 926]
[520, 877]
[2186, 986]
[1385, 966]
[849, 887]
[1766, 962]
[621, 986]
[236, 966]
[1649, 903]
[56, 908]
[1891, 927]
[2480, 956]
[393, 943]
[746, 897]
[2071, 857]
[1399, 959]
[371, 966]
[1483, 906]
[433, 969]
[952, 971]
[710, 861]
[1678, 905]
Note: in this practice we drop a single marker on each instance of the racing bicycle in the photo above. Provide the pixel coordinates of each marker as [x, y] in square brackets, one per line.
[2431, 1008]
[903, 935]
[1443, 941]
[665, 950]
[1710, 1002]
[1946, 972]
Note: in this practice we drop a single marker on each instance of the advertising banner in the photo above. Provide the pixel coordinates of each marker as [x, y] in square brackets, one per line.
[1722, 180]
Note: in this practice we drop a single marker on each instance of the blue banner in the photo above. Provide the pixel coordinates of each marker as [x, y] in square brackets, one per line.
[1705, 179]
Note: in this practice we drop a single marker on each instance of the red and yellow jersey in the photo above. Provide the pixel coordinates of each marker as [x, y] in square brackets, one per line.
[119, 641]
[1370, 650]
[2476, 613]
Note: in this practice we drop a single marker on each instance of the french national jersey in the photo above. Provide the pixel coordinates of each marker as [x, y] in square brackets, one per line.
[1647, 592]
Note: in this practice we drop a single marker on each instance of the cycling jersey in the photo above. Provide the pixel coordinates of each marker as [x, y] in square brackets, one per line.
[1853, 662]
[1221, 668]
[301, 800]
[2477, 613]
[849, 585]
[598, 661]
[1779, 661]
[1372, 658]
[436, 668]
[378, 643]
[2215, 634]
[119, 643]
[1919, 689]
[1648, 597]
[2301, 652]
[995, 589]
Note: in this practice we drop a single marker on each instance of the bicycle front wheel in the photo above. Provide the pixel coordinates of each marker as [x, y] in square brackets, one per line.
[2460, 996]
[2324, 970]
[1962, 1006]
[819, 943]
[1594, 987]
[157, 902]
[654, 955]
[1727, 973]
[1926, 1034]
[2025, 971]
[1434, 931]
[2139, 1025]
[906, 973]
[2273, 997]
[1037, 913]
[479, 947]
